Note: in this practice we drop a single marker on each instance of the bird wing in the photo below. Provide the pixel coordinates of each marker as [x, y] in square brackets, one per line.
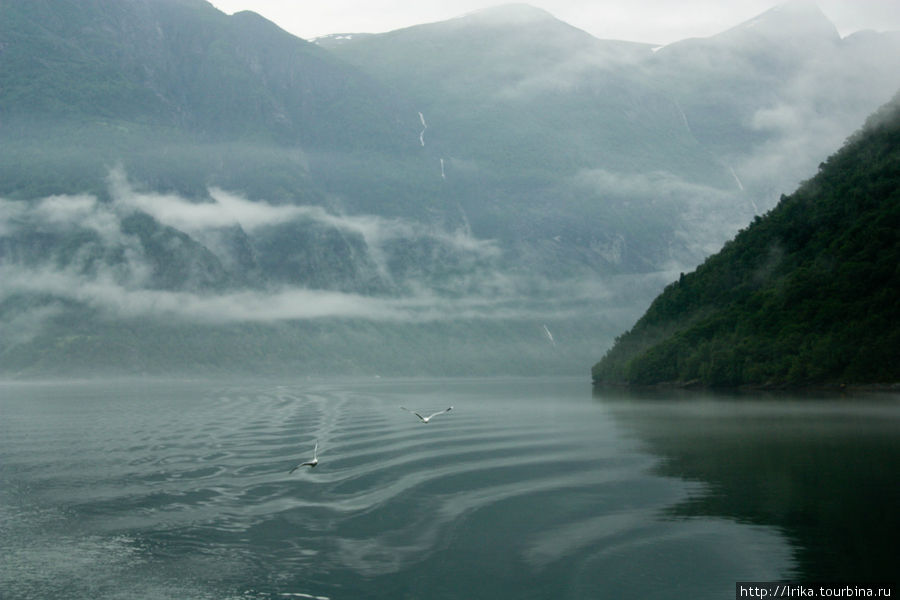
[426, 419]
[313, 462]
[440, 412]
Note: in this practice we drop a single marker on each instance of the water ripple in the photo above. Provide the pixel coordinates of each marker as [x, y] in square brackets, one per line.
[190, 483]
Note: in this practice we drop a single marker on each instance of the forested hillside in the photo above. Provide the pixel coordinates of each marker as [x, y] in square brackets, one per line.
[807, 294]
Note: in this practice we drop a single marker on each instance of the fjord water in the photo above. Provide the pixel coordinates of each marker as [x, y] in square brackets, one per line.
[527, 489]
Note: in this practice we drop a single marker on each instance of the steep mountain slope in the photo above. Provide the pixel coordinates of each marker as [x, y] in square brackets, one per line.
[809, 293]
[183, 64]
[181, 95]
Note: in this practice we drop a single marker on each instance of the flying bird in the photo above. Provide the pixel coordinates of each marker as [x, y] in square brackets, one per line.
[312, 463]
[429, 417]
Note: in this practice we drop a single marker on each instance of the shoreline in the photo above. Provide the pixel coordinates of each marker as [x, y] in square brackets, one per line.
[767, 387]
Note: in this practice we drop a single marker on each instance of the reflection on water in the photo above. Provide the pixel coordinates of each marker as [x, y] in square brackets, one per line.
[822, 470]
[531, 489]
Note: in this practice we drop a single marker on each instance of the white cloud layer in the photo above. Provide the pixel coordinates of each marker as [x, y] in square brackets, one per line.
[117, 300]
[226, 209]
[120, 288]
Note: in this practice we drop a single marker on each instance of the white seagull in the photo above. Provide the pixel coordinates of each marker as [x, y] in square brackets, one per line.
[429, 417]
[312, 463]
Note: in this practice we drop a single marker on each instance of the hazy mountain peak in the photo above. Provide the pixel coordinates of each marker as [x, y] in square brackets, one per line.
[511, 14]
[519, 19]
[797, 18]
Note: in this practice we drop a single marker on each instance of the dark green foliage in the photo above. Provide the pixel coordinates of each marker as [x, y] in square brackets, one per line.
[809, 293]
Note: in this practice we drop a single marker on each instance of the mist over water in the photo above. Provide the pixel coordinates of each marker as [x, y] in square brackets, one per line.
[529, 489]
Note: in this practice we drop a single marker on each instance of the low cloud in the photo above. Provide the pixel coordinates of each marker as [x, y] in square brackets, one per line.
[120, 286]
[266, 306]
[809, 123]
[111, 271]
[657, 184]
[60, 213]
[222, 209]
[226, 209]
[113, 298]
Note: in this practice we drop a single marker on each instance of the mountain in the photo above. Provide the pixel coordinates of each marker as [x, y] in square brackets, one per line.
[723, 81]
[182, 96]
[516, 88]
[181, 189]
[676, 145]
[556, 123]
[807, 294]
[183, 66]
[778, 89]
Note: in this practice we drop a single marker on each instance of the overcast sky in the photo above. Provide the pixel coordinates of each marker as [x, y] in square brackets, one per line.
[651, 21]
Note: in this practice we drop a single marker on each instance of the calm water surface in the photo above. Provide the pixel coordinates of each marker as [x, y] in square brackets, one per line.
[527, 489]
